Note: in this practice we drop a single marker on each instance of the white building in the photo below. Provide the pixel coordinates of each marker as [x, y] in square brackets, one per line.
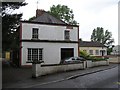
[47, 38]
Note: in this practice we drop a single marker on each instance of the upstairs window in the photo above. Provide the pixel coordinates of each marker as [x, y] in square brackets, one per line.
[67, 35]
[35, 33]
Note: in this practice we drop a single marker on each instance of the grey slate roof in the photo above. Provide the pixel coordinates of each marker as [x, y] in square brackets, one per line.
[90, 44]
[47, 18]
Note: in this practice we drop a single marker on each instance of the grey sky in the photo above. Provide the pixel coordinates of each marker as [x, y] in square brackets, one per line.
[88, 13]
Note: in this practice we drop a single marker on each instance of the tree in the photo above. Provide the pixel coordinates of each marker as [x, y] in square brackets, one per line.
[32, 18]
[102, 36]
[64, 13]
[10, 25]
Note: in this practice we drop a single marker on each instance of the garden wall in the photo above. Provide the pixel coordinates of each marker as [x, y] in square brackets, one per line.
[91, 63]
[39, 70]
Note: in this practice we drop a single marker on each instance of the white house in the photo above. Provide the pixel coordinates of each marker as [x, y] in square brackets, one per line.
[47, 38]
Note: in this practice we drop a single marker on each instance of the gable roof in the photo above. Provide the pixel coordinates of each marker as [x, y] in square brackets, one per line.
[45, 17]
[90, 44]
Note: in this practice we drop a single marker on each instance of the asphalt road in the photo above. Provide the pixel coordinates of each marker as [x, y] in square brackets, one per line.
[103, 79]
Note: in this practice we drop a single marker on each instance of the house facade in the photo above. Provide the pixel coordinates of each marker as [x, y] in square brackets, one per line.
[93, 48]
[48, 39]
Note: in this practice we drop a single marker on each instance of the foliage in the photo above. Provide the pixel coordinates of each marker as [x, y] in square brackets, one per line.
[110, 49]
[32, 18]
[84, 54]
[88, 57]
[64, 13]
[10, 25]
[102, 36]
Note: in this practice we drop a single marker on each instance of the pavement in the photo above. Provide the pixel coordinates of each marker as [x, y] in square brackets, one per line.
[22, 77]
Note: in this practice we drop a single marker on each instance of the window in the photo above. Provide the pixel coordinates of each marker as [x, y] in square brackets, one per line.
[85, 51]
[97, 52]
[67, 35]
[35, 33]
[35, 54]
[91, 52]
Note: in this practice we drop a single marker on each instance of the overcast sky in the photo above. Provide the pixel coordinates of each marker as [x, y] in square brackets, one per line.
[88, 13]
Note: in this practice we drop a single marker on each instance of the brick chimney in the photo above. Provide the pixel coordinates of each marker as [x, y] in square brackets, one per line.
[39, 12]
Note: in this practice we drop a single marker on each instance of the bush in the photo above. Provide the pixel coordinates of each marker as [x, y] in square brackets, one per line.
[83, 54]
[88, 57]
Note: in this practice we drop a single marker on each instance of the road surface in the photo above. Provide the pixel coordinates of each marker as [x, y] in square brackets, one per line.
[103, 79]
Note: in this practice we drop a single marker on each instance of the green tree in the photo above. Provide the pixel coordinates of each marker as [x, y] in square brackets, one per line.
[64, 13]
[10, 25]
[102, 36]
[32, 18]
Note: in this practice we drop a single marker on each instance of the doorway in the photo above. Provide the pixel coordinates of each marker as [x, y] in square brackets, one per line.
[66, 53]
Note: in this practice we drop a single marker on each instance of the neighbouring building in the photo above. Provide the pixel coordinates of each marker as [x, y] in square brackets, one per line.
[93, 48]
[47, 38]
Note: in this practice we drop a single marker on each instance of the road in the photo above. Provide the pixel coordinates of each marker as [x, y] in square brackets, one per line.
[103, 79]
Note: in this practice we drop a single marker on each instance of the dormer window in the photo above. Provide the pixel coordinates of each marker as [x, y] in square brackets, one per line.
[67, 35]
[35, 33]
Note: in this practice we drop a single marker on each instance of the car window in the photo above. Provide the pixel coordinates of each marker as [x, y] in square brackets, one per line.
[73, 58]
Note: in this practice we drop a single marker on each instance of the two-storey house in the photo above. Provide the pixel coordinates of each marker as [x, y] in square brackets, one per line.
[48, 39]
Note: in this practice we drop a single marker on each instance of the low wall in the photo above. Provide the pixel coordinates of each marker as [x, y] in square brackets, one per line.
[39, 70]
[96, 63]
[115, 59]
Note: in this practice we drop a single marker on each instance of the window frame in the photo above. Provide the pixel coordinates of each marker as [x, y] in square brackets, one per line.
[35, 34]
[97, 52]
[67, 35]
[91, 52]
[37, 56]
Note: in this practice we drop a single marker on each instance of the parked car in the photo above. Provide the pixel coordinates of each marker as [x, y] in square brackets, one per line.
[73, 60]
[81, 58]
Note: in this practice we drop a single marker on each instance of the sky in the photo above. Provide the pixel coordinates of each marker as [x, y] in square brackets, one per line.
[89, 14]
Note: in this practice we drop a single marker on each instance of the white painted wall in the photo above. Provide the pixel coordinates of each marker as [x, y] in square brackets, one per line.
[48, 32]
[37, 70]
[51, 51]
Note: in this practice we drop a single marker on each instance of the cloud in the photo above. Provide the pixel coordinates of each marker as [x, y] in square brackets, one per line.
[89, 13]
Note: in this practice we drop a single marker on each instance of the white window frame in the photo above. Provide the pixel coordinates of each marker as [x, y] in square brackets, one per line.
[30, 54]
[91, 52]
[97, 52]
[35, 35]
[67, 35]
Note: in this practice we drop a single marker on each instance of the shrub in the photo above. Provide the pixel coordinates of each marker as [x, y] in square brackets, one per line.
[88, 57]
[83, 54]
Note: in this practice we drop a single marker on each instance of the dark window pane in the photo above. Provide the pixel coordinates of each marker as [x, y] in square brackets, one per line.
[67, 35]
[35, 33]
